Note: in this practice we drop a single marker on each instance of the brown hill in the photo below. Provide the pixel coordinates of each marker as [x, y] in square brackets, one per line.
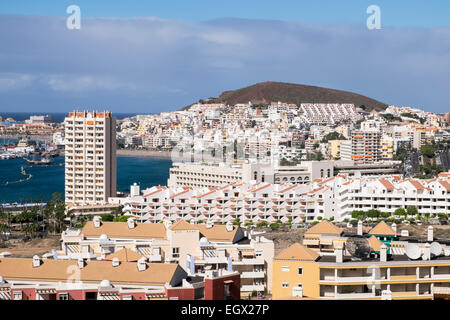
[266, 92]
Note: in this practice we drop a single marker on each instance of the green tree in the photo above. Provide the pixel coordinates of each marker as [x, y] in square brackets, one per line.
[412, 211]
[427, 151]
[373, 213]
[400, 212]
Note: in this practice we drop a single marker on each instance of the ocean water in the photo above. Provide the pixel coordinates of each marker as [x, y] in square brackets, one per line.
[44, 181]
[56, 116]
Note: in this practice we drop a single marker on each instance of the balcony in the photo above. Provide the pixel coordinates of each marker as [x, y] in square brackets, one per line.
[252, 287]
[252, 274]
[254, 261]
[155, 258]
[348, 296]
[403, 278]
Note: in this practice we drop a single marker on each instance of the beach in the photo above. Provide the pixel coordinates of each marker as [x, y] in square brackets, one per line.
[144, 153]
[160, 154]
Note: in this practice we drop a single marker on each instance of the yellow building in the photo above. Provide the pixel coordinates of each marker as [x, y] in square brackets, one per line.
[335, 147]
[387, 148]
[295, 270]
[299, 271]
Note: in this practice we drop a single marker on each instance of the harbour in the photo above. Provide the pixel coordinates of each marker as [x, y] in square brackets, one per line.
[40, 181]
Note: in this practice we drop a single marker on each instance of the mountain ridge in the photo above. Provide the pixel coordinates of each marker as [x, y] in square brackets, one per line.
[271, 91]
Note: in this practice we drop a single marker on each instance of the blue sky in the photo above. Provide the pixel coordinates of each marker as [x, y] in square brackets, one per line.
[420, 13]
[152, 56]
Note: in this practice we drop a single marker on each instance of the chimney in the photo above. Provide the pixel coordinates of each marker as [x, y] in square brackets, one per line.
[339, 255]
[229, 226]
[80, 263]
[426, 252]
[97, 221]
[209, 224]
[36, 261]
[430, 234]
[167, 223]
[245, 233]
[131, 223]
[115, 262]
[360, 228]
[394, 227]
[383, 253]
[141, 264]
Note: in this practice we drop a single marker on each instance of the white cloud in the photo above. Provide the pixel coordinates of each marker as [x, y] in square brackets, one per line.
[14, 81]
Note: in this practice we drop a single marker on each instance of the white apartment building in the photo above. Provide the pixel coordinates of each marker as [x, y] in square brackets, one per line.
[256, 202]
[218, 175]
[90, 158]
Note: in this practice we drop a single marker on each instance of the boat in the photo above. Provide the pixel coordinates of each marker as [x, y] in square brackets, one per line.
[43, 161]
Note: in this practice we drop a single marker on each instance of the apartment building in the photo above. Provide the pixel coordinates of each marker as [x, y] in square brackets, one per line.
[296, 201]
[198, 248]
[116, 279]
[366, 146]
[219, 175]
[326, 267]
[90, 158]
[301, 272]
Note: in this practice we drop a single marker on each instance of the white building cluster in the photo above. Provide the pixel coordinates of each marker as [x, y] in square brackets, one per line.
[255, 202]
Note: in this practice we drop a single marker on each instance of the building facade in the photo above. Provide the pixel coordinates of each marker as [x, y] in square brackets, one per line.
[90, 158]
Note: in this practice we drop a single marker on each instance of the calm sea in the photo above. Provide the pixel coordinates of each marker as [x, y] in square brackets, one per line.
[56, 116]
[44, 181]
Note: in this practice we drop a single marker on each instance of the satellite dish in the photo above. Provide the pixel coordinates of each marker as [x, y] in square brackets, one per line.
[413, 251]
[358, 247]
[436, 248]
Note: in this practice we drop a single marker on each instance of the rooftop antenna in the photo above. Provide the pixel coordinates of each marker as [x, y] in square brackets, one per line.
[436, 249]
[413, 251]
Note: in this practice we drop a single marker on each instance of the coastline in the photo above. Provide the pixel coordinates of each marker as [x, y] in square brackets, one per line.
[144, 153]
[160, 155]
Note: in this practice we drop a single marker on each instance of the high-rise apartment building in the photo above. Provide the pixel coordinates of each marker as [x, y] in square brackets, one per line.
[90, 151]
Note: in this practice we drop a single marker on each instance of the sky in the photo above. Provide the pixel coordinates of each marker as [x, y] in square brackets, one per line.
[154, 56]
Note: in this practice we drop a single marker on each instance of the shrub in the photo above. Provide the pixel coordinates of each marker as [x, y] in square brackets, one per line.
[107, 217]
[373, 213]
[442, 216]
[314, 223]
[400, 212]
[275, 225]
[385, 214]
[262, 224]
[122, 218]
[319, 218]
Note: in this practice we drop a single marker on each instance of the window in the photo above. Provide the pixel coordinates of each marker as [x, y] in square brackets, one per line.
[285, 285]
[175, 252]
[300, 271]
[63, 296]
[18, 295]
[285, 269]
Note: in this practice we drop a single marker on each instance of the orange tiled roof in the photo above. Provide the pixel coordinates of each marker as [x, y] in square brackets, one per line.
[382, 229]
[297, 252]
